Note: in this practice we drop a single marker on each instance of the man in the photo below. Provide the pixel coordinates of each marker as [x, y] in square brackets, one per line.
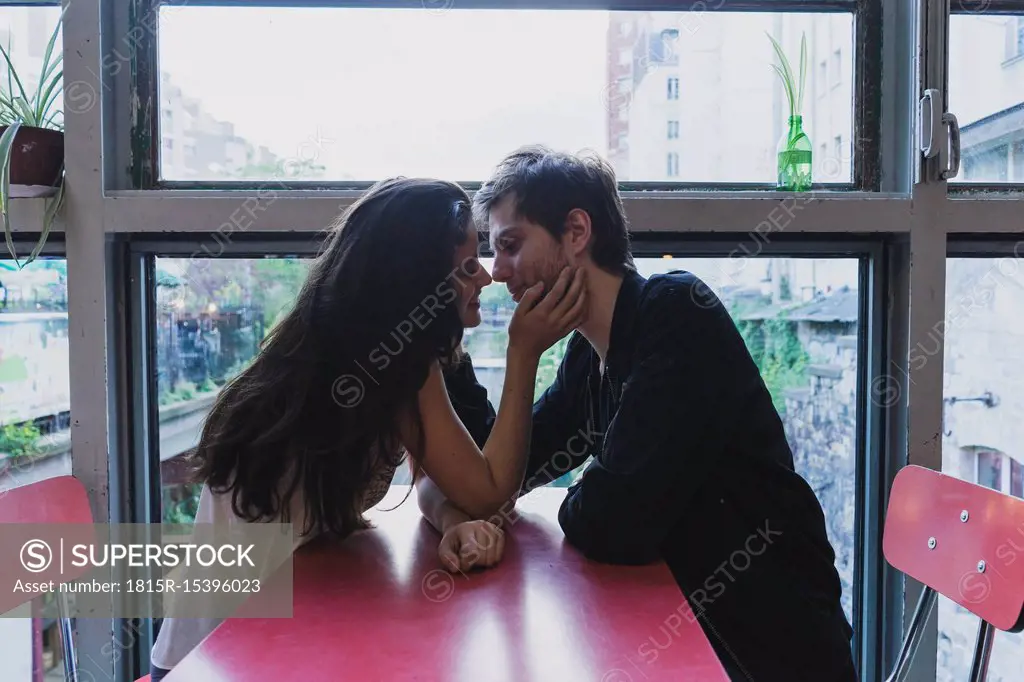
[691, 464]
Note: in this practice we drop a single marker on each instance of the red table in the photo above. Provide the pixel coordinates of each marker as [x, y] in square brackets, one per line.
[377, 606]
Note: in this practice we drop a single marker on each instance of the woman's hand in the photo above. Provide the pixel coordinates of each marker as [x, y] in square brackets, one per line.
[470, 544]
[540, 320]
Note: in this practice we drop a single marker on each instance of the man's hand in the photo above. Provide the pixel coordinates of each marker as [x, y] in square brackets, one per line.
[470, 544]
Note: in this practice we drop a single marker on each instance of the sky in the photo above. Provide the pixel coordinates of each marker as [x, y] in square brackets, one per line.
[372, 93]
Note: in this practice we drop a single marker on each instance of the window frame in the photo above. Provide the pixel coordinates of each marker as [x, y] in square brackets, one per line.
[870, 461]
[142, 147]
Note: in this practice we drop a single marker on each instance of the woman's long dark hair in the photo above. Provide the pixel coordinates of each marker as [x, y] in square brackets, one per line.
[317, 410]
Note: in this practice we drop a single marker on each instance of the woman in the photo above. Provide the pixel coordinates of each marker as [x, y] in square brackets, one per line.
[350, 382]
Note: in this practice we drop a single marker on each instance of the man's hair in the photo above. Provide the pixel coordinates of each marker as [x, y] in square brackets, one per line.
[546, 185]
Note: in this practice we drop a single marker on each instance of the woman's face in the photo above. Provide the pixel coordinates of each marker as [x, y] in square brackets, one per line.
[470, 278]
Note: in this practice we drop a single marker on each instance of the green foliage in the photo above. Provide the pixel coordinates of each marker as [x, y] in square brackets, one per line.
[186, 390]
[20, 440]
[181, 503]
[778, 353]
[279, 281]
[280, 169]
[548, 367]
[793, 87]
[35, 108]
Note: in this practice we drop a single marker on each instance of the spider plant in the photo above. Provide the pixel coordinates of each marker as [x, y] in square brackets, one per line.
[794, 88]
[35, 107]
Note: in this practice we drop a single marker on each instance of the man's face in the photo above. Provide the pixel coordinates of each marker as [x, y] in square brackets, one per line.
[524, 252]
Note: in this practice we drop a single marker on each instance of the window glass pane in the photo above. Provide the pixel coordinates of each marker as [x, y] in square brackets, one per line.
[35, 435]
[982, 433]
[362, 94]
[808, 361]
[986, 92]
[212, 314]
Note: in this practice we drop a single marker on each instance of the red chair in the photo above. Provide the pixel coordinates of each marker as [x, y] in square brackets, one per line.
[958, 539]
[60, 500]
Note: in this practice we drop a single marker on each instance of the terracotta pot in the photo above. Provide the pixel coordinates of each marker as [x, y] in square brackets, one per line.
[36, 156]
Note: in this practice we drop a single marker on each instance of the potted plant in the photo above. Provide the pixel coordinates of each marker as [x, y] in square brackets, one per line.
[32, 141]
[794, 149]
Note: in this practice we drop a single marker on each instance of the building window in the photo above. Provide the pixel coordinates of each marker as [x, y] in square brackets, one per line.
[673, 164]
[838, 150]
[837, 68]
[822, 77]
[673, 88]
[673, 130]
[990, 469]
[1014, 38]
[625, 56]
[1016, 478]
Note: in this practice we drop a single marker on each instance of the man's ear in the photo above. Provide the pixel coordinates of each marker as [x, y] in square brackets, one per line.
[577, 233]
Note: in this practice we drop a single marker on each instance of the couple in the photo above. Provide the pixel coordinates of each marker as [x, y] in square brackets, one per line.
[691, 464]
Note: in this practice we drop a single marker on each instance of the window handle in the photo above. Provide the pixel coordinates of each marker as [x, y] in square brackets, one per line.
[930, 121]
[949, 120]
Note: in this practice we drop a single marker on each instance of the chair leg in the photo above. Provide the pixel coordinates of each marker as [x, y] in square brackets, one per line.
[924, 610]
[67, 638]
[982, 652]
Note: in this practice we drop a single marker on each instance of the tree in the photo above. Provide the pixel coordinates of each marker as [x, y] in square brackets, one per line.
[778, 354]
[279, 282]
[278, 169]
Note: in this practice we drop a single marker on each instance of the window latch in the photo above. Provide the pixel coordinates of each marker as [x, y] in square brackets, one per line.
[940, 134]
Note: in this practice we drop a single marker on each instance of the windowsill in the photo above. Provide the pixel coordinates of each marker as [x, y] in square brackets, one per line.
[988, 191]
[32, 191]
[28, 215]
[1013, 60]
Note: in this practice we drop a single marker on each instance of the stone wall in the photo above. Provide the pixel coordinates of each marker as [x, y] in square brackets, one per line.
[820, 422]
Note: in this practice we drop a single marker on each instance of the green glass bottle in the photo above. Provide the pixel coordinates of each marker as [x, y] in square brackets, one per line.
[795, 158]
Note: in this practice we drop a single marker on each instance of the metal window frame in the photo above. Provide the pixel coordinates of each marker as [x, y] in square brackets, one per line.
[142, 149]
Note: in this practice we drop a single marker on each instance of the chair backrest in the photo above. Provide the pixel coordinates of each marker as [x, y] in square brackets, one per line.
[59, 500]
[963, 540]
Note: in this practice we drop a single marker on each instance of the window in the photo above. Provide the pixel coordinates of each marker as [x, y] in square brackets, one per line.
[673, 130]
[673, 88]
[1016, 478]
[822, 84]
[981, 433]
[35, 423]
[990, 469]
[673, 164]
[215, 61]
[987, 95]
[211, 315]
[1014, 38]
[837, 68]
